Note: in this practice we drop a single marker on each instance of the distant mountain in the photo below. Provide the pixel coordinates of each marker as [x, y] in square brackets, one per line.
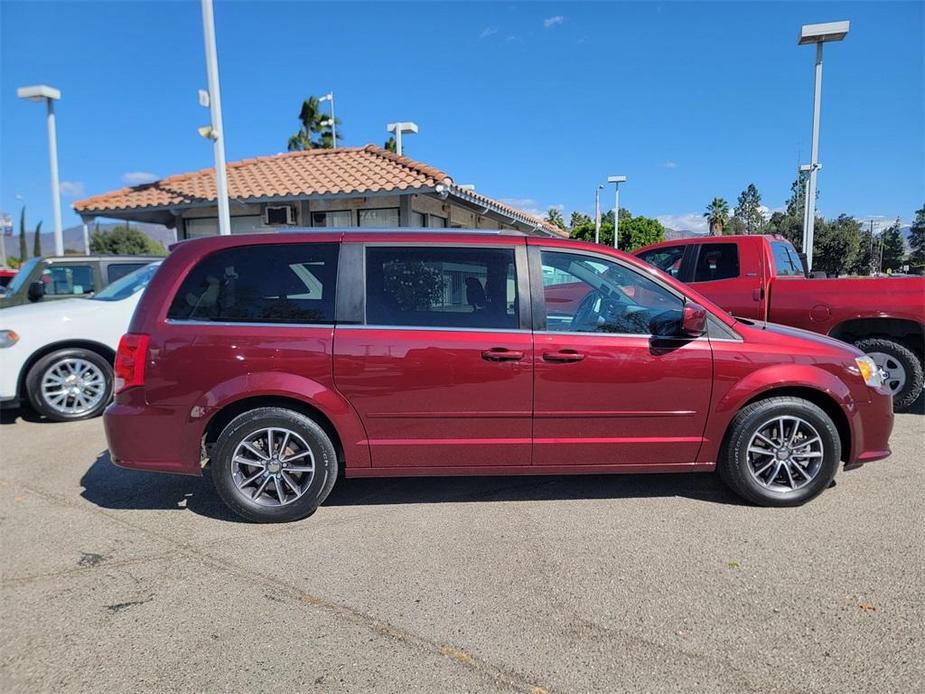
[675, 234]
[74, 237]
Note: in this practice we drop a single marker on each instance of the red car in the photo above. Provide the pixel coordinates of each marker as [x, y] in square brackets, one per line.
[761, 278]
[284, 360]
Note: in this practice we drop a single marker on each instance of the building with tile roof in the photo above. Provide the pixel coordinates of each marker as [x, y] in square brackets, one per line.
[344, 187]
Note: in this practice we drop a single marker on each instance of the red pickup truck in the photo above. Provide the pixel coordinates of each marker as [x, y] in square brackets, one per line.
[762, 278]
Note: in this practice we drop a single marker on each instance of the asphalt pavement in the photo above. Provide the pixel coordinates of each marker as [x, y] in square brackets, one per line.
[114, 580]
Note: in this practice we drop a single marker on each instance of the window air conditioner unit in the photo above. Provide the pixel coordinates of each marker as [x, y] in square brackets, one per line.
[278, 215]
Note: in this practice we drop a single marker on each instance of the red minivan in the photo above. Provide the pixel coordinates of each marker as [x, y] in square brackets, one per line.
[283, 360]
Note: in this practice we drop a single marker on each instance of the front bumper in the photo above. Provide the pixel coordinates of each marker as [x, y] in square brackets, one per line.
[872, 425]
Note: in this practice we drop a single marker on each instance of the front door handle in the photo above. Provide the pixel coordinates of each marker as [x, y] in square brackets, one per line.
[502, 354]
[563, 356]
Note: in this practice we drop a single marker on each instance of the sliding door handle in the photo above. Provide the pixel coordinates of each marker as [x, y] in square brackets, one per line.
[502, 354]
[563, 356]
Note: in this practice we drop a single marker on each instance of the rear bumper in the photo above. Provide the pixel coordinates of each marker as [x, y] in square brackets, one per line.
[155, 439]
[871, 428]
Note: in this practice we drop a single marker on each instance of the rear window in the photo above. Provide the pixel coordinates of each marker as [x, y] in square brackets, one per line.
[441, 287]
[717, 261]
[286, 283]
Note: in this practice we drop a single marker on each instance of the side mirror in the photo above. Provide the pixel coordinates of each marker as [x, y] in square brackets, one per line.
[693, 320]
[36, 291]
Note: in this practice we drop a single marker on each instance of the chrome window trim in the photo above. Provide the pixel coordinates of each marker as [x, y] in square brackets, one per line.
[432, 328]
[180, 321]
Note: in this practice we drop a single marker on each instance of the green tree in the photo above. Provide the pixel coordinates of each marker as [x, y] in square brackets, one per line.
[124, 240]
[23, 249]
[554, 216]
[640, 231]
[391, 145]
[917, 241]
[315, 131]
[868, 253]
[578, 219]
[717, 216]
[37, 241]
[836, 244]
[894, 250]
[791, 228]
[747, 215]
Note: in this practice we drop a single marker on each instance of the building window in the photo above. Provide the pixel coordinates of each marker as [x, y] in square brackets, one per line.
[337, 219]
[435, 222]
[285, 283]
[385, 217]
[417, 219]
[208, 226]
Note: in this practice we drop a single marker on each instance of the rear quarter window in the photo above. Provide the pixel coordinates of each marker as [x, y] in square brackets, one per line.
[285, 283]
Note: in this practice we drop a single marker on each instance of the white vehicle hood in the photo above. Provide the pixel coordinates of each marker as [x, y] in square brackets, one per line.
[60, 311]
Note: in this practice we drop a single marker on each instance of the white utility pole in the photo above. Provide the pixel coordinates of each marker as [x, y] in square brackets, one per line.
[397, 129]
[216, 133]
[816, 34]
[332, 122]
[597, 214]
[49, 95]
[616, 180]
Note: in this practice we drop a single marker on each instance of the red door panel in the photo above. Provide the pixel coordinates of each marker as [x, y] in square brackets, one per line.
[439, 398]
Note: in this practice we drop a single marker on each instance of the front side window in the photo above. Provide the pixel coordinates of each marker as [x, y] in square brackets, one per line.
[786, 261]
[665, 259]
[441, 287]
[602, 296]
[284, 283]
[717, 261]
[61, 280]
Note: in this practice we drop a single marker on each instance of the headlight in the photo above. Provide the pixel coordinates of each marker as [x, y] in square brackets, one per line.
[8, 338]
[869, 371]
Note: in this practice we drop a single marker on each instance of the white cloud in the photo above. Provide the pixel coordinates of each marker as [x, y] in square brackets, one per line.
[136, 178]
[690, 221]
[488, 31]
[72, 189]
[532, 206]
[668, 165]
[550, 22]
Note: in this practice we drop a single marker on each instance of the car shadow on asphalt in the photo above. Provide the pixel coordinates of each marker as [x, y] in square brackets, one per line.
[112, 487]
[13, 414]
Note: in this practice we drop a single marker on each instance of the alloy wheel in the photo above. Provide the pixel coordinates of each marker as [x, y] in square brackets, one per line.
[894, 373]
[273, 466]
[73, 386]
[785, 453]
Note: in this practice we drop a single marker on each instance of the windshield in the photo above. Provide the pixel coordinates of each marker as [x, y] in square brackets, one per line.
[127, 286]
[20, 279]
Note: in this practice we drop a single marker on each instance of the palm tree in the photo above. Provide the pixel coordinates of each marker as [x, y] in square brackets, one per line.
[390, 144]
[554, 216]
[315, 133]
[717, 215]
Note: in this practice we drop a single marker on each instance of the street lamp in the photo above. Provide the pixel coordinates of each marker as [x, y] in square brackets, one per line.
[597, 213]
[49, 95]
[215, 131]
[330, 97]
[616, 180]
[397, 129]
[817, 34]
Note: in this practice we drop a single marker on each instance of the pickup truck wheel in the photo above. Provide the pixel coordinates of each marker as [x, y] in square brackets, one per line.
[781, 451]
[273, 465]
[70, 384]
[902, 368]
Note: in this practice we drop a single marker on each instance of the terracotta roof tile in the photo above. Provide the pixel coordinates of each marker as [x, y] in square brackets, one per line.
[345, 170]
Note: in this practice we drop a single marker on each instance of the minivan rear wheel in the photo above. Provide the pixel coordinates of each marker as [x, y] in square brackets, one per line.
[273, 465]
[781, 451]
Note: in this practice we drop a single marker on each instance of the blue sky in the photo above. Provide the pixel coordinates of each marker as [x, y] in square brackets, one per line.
[535, 103]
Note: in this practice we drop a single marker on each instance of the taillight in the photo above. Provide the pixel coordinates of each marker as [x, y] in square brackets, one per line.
[130, 361]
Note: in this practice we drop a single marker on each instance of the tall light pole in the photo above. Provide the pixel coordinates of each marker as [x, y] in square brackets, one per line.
[49, 95]
[817, 34]
[397, 129]
[597, 213]
[331, 121]
[616, 180]
[215, 132]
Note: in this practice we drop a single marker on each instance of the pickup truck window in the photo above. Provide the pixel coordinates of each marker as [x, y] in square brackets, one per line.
[666, 259]
[786, 261]
[717, 261]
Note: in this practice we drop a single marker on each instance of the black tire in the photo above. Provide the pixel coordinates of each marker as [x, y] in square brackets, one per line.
[251, 422]
[47, 364]
[910, 364]
[733, 464]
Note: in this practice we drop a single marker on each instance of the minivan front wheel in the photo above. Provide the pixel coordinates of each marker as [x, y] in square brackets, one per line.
[272, 464]
[781, 451]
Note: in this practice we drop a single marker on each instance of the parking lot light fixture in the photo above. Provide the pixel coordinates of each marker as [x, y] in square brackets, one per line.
[332, 121]
[616, 180]
[816, 34]
[397, 129]
[42, 92]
